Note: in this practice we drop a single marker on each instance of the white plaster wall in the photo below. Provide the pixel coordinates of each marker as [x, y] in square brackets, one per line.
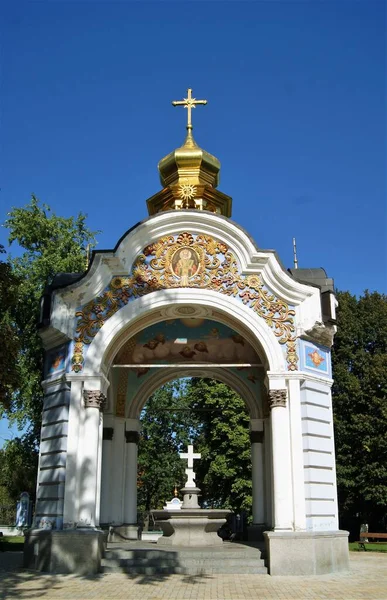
[319, 456]
[52, 454]
[297, 464]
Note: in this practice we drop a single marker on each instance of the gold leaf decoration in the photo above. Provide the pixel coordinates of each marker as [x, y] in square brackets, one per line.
[186, 260]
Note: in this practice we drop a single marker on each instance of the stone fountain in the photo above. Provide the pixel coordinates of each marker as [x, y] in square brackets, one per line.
[188, 524]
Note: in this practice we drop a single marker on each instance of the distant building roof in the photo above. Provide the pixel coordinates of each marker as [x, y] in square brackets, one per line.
[317, 277]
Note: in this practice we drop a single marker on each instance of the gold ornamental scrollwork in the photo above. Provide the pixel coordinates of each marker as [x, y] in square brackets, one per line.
[186, 260]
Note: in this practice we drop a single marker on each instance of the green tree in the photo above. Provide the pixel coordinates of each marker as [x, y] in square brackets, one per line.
[360, 406]
[18, 466]
[224, 471]
[9, 342]
[210, 415]
[166, 428]
[50, 245]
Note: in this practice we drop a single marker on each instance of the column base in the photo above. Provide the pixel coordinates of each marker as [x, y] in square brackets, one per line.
[306, 552]
[70, 551]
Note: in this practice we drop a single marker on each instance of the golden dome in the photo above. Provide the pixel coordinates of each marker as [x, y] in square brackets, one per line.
[189, 164]
[189, 175]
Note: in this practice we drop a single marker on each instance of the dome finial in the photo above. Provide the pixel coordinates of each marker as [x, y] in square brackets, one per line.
[189, 175]
[189, 103]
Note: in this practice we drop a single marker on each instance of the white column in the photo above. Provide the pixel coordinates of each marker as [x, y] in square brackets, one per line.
[106, 477]
[297, 455]
[88, 492]
[282, 480]
[71, 499]
[257, 463]
[130, 502]
[99, 472]
[117, 474]
[268, 474]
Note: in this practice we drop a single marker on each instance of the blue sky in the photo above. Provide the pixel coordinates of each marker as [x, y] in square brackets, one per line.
[296, 114]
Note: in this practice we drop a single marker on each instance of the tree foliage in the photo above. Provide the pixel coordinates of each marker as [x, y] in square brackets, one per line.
[360, 406]
[224, 470]
[18, 466]
[167, 427]
[213, 418]
[50, 245]
[9, 342]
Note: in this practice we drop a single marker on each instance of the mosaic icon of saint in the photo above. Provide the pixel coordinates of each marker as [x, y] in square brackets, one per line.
[185, 265]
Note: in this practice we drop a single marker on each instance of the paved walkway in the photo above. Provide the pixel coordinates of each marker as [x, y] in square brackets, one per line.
[367, 579]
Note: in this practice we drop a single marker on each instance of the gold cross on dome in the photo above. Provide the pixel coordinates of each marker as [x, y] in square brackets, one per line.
[189, 103]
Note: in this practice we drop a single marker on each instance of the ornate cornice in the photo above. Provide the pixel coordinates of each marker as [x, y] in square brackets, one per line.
[94, 399]
[257, 437]
[107, 433]
[132, 437]
[277, 398]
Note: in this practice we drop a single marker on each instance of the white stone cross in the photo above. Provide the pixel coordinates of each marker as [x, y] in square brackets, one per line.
[191, 456]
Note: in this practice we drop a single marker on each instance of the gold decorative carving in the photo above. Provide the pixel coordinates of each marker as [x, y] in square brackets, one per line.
[187, 191]
[187, 260]
[291, 355]
[277, 398]
[94, 399]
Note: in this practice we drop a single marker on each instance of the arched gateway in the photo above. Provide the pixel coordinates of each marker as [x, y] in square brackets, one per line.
[187, 292]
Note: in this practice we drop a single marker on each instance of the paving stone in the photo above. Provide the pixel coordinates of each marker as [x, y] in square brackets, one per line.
[366, 580]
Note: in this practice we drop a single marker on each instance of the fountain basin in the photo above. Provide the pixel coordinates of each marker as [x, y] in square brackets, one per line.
[190, 526]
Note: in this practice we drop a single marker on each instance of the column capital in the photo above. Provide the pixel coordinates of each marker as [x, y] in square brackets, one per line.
[107, 433]
[256, 437]
[132, 437]
[277, 398]
[94, 399]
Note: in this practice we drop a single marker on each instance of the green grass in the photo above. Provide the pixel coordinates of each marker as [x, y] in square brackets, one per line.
[11, 543]
[354, 547]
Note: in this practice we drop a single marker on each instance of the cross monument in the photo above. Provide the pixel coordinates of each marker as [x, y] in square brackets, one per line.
[191, 456]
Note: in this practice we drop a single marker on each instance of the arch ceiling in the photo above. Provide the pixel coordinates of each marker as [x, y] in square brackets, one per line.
[186, 345]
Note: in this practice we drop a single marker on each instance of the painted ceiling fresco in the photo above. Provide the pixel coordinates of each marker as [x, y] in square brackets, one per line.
[187, 340]
[182, 341]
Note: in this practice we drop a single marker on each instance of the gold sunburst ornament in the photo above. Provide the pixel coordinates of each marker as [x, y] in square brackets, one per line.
[187, 191]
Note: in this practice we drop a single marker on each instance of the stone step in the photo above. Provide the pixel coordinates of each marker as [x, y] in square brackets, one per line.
[227, 562]
[227, 549]
[178, 570]
[136, 559]
[121, 554]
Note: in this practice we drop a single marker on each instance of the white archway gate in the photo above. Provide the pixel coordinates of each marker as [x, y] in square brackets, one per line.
[200, 262]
